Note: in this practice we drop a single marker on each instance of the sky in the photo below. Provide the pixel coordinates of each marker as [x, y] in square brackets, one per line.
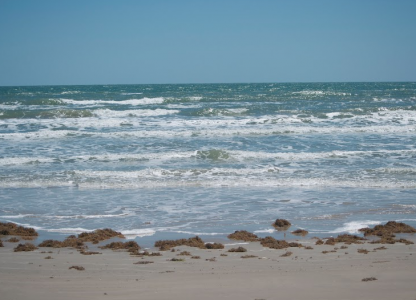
[56, 42]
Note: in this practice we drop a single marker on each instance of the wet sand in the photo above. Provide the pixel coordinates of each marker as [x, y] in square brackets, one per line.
[306, 274]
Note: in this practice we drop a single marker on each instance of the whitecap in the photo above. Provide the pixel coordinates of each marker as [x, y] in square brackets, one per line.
[354, 226]
[133, 233]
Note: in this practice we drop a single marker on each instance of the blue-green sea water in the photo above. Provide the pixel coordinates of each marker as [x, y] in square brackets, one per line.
[157, 161]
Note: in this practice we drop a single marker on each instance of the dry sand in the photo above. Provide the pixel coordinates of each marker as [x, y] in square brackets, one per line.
[306, 274]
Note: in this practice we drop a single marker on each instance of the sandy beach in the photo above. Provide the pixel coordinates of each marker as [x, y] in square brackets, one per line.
[324, 272]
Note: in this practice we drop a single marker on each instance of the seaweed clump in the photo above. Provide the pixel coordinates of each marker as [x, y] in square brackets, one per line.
[99, 235]
[243, 235]
[13, 240]
[25, 247]
[281, 224]
[249, 256]
[300, 232]
[143, 262]
[369, 279]
[79, 268]
[349, 239]
[14, 229]
[271, 242]
[214, 246]
[288, 253]
[71, 242]
[391, 240]
[239, 249]
[342, 238]
[388, 230]
[196, 241]
[146, 253]
[130, 246]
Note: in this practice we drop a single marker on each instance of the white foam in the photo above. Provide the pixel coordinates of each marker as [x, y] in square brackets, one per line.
[236, 244]
[321, 93]
[133, 233]
[233, 155]
[24, 160]
[195, 98]
[19, 216]
[199, 233]
[99, 216]
[107, 113]
[154, 178]
[264, 231]
[188, 132]
[69, 230]
[354, 226]
[142, 101]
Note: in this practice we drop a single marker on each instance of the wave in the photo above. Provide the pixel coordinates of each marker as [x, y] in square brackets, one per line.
[133, 233]
[107, 113]
[354, 226]
[133, 102]
[58, 114]
[58, 217]
[214, 177]
[198, 132]
[320, 93]
[75, 230]
[208, 112]
[223, 155]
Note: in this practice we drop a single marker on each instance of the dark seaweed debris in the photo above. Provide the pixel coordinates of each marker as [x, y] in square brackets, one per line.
[243, 235]
[13, 240]
[130, 246]
[369, 279]
[300, 232]
[25, 247]
[14, 229]
[79, 268]
[239, 249]
[145, 253]
[99, 235]
[165, 245]
[70, 242]
[388, 230]
[196, 241]
[288, 253]
[342, 238]
[143, 262]
[281, 224]
[271, 242]
[73, 241]
[214, 246]
[249, 256]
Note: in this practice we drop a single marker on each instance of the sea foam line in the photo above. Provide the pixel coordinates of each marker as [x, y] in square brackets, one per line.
[185, 132]
[130, 180]
[232, 155]
[142, 101]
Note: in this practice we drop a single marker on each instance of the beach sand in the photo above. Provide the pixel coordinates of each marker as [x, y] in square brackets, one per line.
[306, 274]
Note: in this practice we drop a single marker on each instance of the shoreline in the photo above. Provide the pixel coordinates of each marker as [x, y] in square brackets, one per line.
[323, 272]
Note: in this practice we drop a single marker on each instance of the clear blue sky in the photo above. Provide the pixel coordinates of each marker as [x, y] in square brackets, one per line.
[46, 42]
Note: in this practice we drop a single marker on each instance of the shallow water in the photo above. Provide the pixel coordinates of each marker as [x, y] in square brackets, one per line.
[178, 160]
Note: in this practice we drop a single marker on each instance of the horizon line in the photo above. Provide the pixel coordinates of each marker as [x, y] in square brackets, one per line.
[201, 83]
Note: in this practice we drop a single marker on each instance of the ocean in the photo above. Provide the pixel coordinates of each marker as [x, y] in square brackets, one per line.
[178, 160]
